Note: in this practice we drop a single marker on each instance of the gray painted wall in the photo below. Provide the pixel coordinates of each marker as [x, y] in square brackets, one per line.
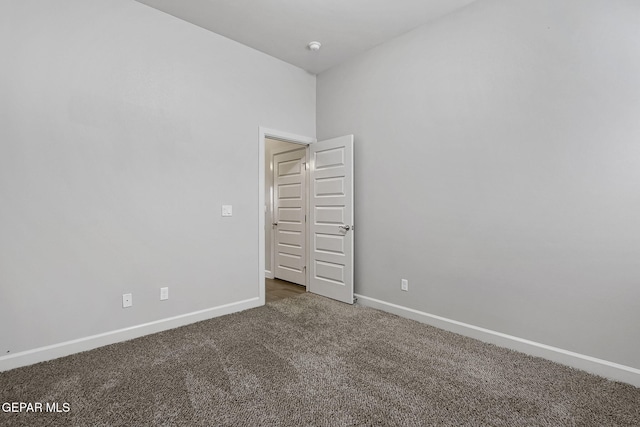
[498, 169]
[122, 132]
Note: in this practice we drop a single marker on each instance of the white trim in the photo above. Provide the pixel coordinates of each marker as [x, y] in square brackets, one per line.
[67, 348]
[285, 136]
[268, 275]
[605, 368]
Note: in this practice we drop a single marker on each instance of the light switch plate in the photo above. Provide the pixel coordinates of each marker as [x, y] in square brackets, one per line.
[227, 210]
[127, 300]
[164, 293]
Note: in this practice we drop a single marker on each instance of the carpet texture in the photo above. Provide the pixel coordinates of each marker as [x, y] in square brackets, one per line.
[311, 361]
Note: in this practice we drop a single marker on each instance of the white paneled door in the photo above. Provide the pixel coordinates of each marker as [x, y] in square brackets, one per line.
[289, 216]
[331, 218]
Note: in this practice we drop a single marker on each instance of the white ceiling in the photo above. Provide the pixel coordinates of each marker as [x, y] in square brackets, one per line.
[283, 28]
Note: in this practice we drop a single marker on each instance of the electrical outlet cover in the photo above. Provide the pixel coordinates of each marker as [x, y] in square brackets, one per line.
[127, 300]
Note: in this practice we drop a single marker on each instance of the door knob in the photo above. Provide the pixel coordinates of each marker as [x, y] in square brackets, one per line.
[275, 224]
[344, 227]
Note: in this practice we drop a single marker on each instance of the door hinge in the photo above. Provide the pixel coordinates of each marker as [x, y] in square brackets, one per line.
[305, 217]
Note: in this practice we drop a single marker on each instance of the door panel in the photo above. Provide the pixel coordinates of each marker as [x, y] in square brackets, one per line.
[289, 215]
[329, 215]
[327, 187]
[329, 243]
[289, 191]
[331, 218]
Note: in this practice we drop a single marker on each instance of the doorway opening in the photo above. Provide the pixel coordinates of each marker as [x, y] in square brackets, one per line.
[326, 178]
[285, 211]
[276, 143]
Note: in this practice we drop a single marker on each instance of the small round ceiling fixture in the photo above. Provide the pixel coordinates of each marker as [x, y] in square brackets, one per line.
[314, 46]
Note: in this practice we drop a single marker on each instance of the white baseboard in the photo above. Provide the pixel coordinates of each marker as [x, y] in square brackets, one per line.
[590, 364]
[268, 274]
[67, 348]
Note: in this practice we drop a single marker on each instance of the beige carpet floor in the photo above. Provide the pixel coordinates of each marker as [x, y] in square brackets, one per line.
[311, 361]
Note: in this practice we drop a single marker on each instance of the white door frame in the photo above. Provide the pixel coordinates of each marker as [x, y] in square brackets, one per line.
[284, 136]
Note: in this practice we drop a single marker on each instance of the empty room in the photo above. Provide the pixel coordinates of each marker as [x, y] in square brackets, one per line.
[410, 212]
